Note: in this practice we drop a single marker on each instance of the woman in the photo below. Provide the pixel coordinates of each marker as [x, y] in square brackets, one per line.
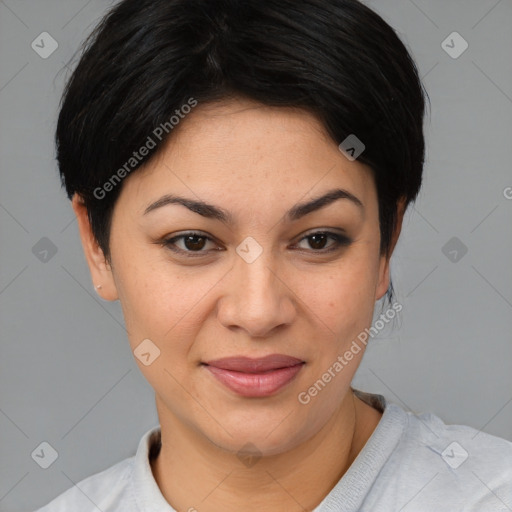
[239, 171]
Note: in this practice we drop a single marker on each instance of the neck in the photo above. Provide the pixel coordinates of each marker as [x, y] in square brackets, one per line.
[193, 473]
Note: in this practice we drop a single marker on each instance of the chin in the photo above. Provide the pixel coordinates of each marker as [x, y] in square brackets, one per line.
[268, 434]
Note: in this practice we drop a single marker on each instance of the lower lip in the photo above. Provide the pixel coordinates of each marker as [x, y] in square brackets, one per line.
[255, 384]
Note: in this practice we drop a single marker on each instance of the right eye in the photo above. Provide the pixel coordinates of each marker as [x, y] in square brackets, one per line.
[192, 242]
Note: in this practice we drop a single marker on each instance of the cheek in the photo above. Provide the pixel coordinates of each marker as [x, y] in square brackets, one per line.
[161, 300]
[163, 306]
[344, 297]
[343, 303]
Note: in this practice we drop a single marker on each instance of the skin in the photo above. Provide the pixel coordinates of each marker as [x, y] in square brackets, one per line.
[256, 162]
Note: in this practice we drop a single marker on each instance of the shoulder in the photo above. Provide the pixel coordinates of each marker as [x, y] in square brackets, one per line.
[105, 491]
[458, 444]
[453, 464]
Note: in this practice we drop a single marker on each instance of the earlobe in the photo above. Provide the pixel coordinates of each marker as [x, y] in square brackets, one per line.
[101, 272]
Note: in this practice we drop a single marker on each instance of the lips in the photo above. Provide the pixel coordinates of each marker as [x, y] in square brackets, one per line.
[259, 377]
[259, 365]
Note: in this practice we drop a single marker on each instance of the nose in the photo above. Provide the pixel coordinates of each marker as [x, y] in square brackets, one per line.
[257, 298]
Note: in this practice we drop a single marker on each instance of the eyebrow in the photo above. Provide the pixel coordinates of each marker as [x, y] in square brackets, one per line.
[215, 212]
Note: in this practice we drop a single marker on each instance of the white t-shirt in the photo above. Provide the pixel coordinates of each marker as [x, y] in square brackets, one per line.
[411, 463]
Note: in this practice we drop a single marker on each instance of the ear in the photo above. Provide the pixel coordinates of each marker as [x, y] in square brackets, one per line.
[101, 272]
[384, 277]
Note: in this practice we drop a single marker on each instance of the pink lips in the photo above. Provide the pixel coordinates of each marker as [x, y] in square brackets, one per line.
[255, 377]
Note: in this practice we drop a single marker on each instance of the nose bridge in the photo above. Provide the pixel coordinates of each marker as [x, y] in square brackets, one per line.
[257, 281]
[257, 300]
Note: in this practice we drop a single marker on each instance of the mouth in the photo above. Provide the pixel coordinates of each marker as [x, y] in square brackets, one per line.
[260, 377]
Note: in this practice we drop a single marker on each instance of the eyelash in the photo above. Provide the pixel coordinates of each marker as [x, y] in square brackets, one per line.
[339, 242]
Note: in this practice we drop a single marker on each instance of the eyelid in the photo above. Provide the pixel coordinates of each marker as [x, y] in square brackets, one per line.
[167, 242]
[341, 240]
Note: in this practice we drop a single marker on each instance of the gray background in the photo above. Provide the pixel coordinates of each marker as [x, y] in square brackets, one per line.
[67, 376]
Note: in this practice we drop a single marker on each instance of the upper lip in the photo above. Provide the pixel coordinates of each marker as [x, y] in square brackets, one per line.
[255, 365]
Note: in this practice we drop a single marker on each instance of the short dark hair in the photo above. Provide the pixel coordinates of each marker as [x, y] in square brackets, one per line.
[146, 59]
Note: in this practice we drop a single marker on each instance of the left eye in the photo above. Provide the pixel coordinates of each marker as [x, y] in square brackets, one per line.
[196, 242]
[318, 240]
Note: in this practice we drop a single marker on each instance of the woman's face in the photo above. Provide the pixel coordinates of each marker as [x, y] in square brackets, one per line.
[252, 284]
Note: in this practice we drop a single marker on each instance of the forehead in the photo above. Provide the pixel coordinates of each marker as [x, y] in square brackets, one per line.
[236, 149]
